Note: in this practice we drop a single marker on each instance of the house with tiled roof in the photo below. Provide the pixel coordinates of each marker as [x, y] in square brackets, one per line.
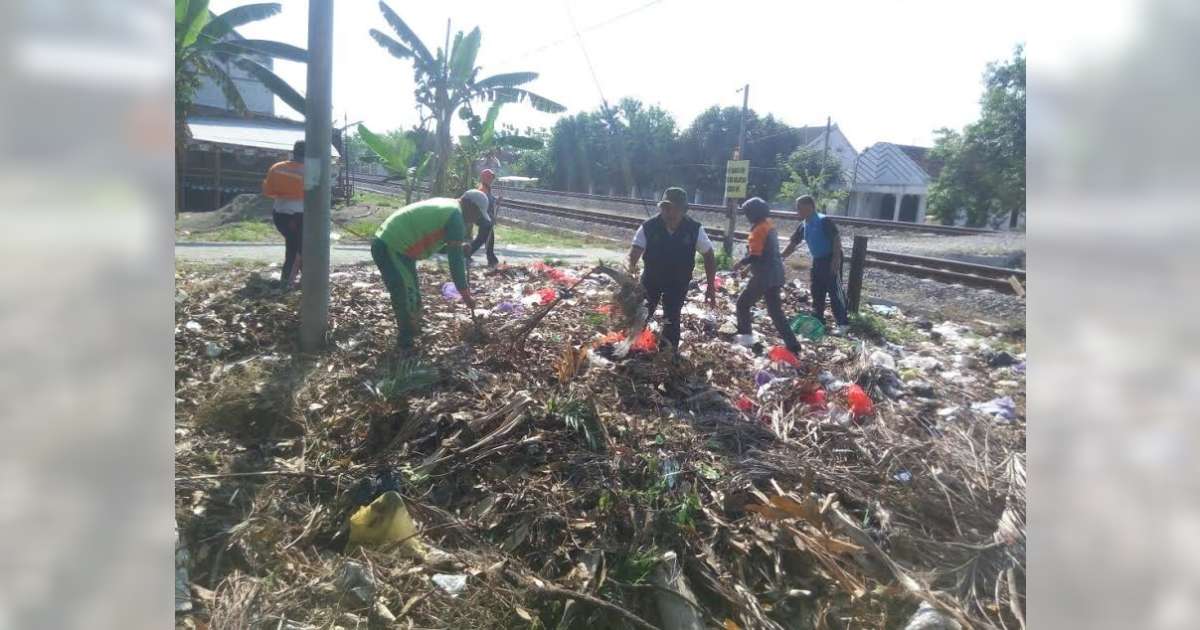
[888, 181]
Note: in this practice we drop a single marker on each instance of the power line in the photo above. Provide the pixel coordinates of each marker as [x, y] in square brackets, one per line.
[586, 56]
[586, 29]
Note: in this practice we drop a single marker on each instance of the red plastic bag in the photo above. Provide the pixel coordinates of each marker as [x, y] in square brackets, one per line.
[547, 295]
[718, 282]
[816, 398]
[539, 266]
[745, 404]
[860, 402]
[645, 342]
[605, 309]
[779, 354]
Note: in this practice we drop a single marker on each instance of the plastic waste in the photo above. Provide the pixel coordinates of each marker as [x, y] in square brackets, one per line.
[763, 377]
[353, 579]
[507, 306]
[450, 292]
[192, 326]
[779, 354]
[385, 521]
[929, 618]
[646, 342]
[884, 309]
[212, 349]
[808, 327]
[903, 475]
[451, 583]
[1003, 409]
[1001, 359]
[745, 404]
[604, 309]
[882, 359]
[816, 398]
[860, 402]
[546, 296]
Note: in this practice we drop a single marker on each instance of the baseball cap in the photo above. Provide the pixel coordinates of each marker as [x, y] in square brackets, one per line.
[675, 196]
[480, 201]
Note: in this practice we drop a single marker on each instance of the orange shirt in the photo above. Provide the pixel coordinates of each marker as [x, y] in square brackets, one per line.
[285, 180]
[758, 237]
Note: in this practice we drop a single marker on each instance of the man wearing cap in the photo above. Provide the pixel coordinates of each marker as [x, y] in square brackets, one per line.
[417, 231]
[669, 243]
[485, 184]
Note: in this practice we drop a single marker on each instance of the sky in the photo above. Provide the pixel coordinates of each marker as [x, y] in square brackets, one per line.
[884, 70]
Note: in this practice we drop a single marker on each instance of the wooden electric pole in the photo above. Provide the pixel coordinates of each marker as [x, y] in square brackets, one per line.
[731, 204]
[318, 135]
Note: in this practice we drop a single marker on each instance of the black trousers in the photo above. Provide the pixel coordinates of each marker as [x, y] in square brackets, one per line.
[754, 291]
[824, 280]
[672, 298]
[291, 226]
[491, 242]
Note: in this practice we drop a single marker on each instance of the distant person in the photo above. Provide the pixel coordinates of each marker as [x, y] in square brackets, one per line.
[485, 184]
[285, 184]
[416, 232]
[766, 276]
[669, 243]
[825, 246]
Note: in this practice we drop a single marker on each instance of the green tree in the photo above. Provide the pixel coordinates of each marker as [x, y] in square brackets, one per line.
[447, 82]
[206, 45]
[400, 153]
[811, 172]
[708, 143]
[984, 172]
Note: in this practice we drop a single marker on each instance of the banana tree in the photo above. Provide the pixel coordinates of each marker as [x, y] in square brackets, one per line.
[447, 81]
[397, 155]
[206, 45]
[484, 141]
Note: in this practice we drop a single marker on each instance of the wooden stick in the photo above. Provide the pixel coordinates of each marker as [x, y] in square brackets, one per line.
[259, 473]
[562, 593]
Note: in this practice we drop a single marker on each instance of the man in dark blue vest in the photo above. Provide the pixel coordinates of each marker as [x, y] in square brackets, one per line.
[669, 243]
[825, 246]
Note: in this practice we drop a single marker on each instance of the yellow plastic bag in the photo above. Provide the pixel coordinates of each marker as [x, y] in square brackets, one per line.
[385, 521]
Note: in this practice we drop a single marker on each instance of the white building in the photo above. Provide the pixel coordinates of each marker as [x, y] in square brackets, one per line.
[891, 182]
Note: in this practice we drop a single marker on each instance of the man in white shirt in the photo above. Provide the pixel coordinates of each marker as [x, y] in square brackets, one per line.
[669, 243]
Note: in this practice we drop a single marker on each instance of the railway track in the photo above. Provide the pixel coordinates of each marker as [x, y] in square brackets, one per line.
[882, 224]
[941, 269]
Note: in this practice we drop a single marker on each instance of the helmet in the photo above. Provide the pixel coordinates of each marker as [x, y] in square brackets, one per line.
[755, 209]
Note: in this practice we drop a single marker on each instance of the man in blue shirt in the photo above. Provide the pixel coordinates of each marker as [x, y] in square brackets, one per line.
[825, 246]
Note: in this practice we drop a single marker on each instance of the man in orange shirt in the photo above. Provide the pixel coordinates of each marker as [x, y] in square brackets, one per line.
[766, 276]
[285, 184]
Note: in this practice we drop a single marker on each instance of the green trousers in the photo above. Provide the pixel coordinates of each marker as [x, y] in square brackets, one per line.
[400, 277]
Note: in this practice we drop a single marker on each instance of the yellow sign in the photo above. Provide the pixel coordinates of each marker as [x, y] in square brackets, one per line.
[737, 175]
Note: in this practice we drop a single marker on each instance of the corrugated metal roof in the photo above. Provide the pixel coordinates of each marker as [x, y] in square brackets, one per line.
[885, 164]
[247, 133]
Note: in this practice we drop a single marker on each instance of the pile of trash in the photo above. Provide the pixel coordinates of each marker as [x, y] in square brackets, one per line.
[552, 481]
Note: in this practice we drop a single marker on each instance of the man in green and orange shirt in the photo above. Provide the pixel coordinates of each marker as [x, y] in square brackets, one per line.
[417, 231]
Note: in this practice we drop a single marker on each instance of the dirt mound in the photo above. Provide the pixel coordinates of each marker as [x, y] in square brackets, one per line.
[246, 207]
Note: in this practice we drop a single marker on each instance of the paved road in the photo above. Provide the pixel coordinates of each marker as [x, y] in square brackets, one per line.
[351, 253]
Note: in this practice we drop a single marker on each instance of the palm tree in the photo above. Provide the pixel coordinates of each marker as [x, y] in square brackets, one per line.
[207, 46]
[447, 83]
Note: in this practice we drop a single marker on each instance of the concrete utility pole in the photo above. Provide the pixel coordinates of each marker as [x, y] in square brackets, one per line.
[731, 209]
[318, 135]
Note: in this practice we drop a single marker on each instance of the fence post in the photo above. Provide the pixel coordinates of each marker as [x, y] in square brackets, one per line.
[858, 258]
